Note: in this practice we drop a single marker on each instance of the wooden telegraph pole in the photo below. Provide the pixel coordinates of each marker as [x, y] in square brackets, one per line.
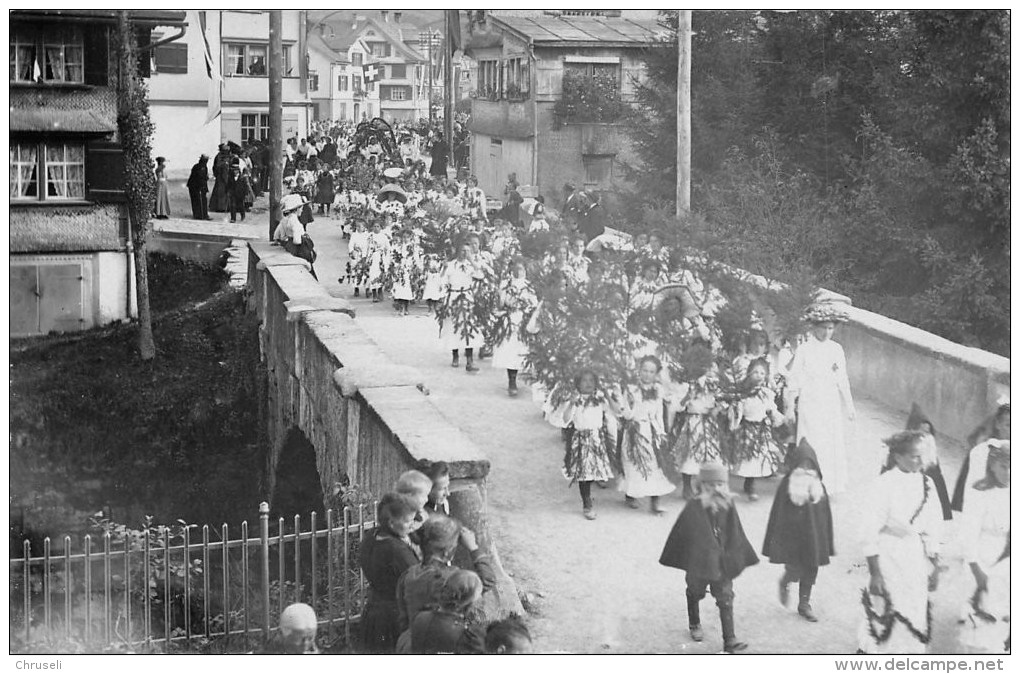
[683, 116]
[448, 82]
[275, 116]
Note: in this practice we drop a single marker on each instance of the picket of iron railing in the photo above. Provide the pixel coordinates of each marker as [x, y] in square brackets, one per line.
[119, 628]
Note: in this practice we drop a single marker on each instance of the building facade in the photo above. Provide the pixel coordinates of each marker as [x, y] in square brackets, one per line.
[336, 79]
[71, 264]
[399, 93]
[181, 88]
[520, 63]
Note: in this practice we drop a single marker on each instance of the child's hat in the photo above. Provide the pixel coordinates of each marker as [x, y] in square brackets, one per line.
[917, 418]
[713, 471]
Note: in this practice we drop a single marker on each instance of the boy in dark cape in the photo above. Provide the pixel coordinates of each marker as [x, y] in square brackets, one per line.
[799, 532]
[708, 542]
[919, 421]
[995, 426]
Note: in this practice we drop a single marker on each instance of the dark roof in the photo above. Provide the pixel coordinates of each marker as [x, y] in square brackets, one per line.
[600, 31]
[316, 41]
[49, 119]
[155, 17]
[346, 33]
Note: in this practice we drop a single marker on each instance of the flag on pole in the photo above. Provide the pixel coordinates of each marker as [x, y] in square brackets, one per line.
[215, 89]
[371, 72]
[453, 27]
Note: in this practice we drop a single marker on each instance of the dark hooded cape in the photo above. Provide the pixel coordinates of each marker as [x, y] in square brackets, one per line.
[693, 547]
[800, 535]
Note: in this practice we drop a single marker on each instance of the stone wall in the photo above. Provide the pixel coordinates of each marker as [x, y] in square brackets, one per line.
[368, 418]
[897, 364]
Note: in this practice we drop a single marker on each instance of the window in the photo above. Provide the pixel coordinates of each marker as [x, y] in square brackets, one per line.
[343, 83]
[357, 84]
[343, 111]
[63, 164]
[254, 126]
[398, 72]
[398, 93]
[379, 49]
[62, 50]
[313, 80]
[518, 79]
[598, 169]
[171, 58]
[369, 86]
[610, 70]
[357, 59]
[489, 79]
[249, 60]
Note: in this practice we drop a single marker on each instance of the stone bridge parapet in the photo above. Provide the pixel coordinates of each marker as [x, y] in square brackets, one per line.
[368, 418]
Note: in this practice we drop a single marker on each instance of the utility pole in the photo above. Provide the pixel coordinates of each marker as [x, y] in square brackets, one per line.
[431, 73]
[448, 82]
[275, 116]
[683, 115]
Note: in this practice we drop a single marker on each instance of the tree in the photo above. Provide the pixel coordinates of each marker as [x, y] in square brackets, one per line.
[869, 147]
[135, 129]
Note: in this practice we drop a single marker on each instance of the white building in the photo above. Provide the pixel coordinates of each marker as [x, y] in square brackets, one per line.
[400, 92]
[336, 81]
[180, 87]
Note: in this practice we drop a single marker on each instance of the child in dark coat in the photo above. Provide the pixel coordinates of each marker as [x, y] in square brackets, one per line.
[799, 532]
[708, 542]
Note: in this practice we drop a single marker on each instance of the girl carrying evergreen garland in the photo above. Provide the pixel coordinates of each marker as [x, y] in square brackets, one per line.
[591, 452]
[403, 271]
[458, 322]
[378, 260]
[755, 450]
[696, 438]
[432, 292]
[644, 437]
[517, 301]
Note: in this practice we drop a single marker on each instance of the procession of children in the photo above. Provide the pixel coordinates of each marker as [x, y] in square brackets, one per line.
[661, 378]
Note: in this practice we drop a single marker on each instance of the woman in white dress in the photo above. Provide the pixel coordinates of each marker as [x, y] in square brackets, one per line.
[824, 405]
[984, 539]
[901, 522]
[517, 300]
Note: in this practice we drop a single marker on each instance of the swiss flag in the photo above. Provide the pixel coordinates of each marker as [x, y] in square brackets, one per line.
[372, 72]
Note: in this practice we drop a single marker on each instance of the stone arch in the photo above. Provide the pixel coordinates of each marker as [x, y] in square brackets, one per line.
[296, 486]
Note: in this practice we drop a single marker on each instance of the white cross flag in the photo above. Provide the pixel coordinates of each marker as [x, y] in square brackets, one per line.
[371, 71]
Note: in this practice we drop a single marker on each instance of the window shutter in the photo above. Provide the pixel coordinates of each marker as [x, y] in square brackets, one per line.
[144, 36]
[97, 58]
[172, 58]
[104, 171]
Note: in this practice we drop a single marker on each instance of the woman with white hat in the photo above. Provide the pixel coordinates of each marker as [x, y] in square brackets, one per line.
[290, 233]
[821, 387]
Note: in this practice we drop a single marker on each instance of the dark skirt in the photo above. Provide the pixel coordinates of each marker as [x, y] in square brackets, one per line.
[380, 625]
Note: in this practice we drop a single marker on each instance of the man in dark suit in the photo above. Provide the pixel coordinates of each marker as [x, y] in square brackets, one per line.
[440, 155]
[198, 188]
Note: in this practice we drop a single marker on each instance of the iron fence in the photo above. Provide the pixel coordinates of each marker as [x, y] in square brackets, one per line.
[159, 589]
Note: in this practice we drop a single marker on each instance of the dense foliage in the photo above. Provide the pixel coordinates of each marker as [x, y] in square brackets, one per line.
[589, 98]
[867, 148]
[161, 436]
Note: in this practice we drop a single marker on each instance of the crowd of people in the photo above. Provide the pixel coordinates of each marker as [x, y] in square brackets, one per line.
[660, 378]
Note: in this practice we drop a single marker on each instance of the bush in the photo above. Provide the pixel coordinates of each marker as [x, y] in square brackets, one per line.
[590, 98]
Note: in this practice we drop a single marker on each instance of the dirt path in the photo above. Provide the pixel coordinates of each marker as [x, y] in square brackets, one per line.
[597, 586]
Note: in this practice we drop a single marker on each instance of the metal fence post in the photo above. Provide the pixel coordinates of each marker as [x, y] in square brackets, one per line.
[264, 533]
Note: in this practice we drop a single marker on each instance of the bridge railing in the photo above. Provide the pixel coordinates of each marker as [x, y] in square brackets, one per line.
[167, 589]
